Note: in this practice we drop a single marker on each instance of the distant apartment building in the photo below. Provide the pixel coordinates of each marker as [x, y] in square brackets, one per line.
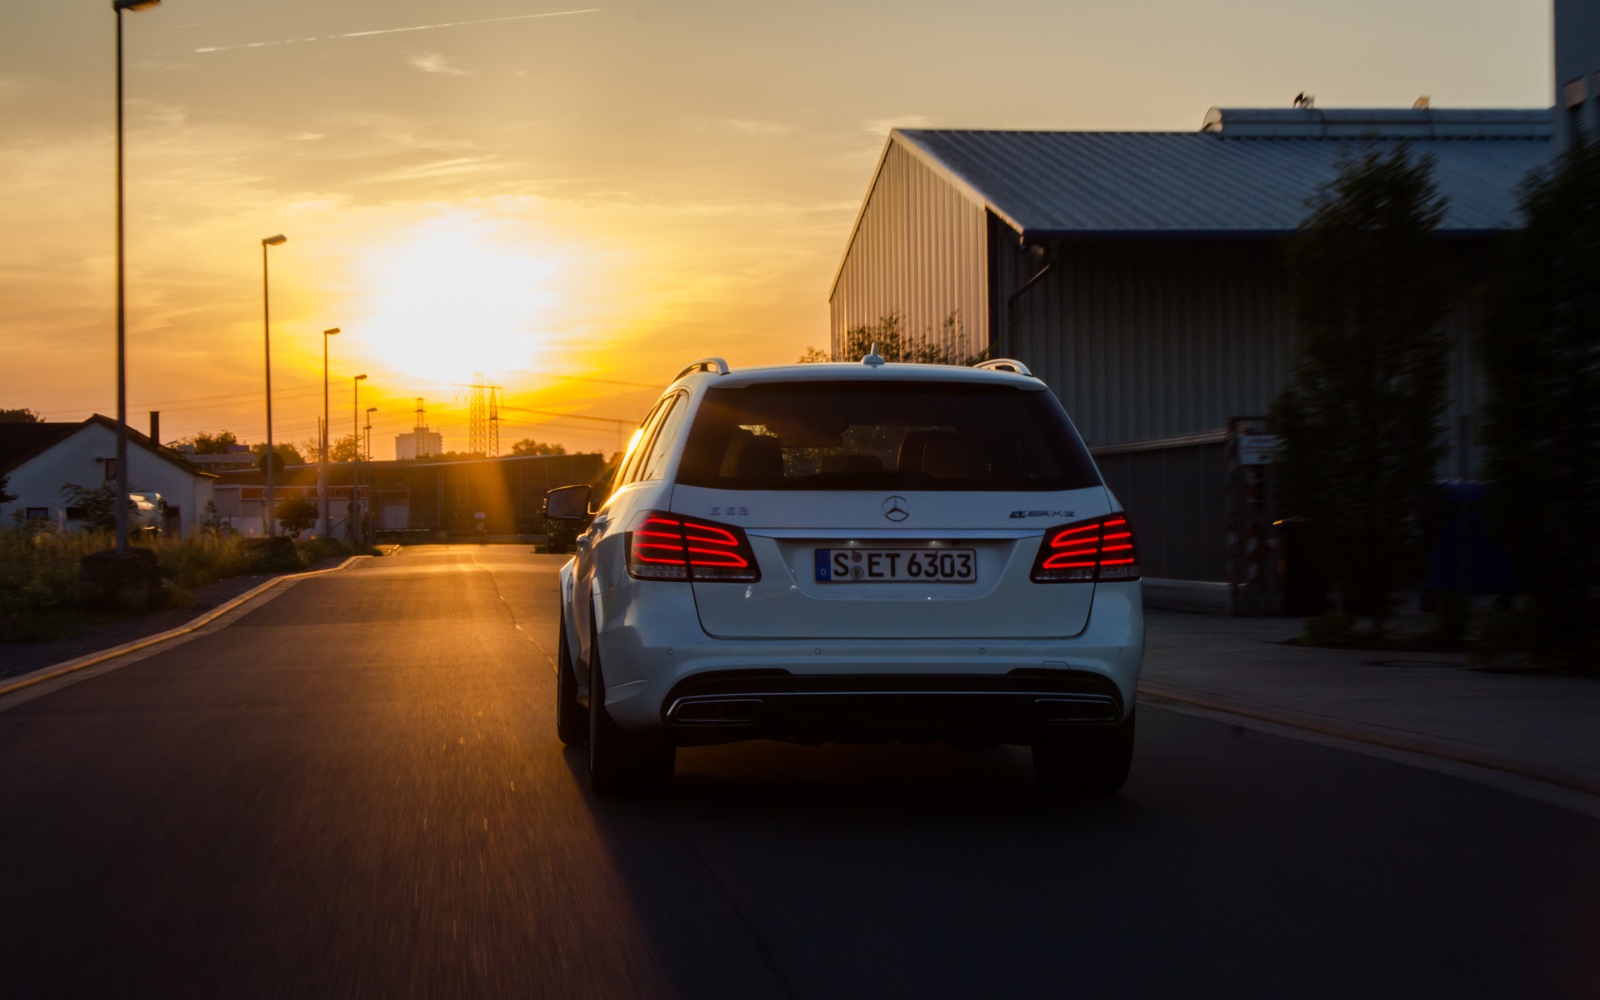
[419, 443]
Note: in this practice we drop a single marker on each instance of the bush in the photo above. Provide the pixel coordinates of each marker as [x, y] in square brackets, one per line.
[1332, 629]
[39, 593]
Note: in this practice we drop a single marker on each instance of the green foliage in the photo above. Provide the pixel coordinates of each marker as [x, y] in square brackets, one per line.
[39, 596]
[288, 452]
[345, 449]
[297, 514]
[1540, 355]
[99, 505]
[211, 444]
[528, 446]
[21, 415]
[1359, 417]
[1334, 629]
[894, 343]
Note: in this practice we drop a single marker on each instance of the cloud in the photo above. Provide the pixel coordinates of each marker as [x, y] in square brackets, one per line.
[430, 62]
[881, 126]
[754, 128]
[437, 169]
[393, 31]
[14, 86]
[738, 126]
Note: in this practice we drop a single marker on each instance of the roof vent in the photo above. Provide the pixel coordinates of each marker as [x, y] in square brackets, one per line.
[873, 358]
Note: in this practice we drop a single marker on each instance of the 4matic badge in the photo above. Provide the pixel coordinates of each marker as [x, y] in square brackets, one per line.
[1044, 513]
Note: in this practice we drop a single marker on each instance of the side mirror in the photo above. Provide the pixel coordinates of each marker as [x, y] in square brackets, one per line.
[568, 503]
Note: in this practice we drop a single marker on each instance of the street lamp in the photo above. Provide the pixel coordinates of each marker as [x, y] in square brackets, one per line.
[269, 460]
[122, 367]
[322, 471]
[370, 411]
[355, 443]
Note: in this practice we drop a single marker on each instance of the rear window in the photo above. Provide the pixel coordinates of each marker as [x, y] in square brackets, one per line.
[888, 435]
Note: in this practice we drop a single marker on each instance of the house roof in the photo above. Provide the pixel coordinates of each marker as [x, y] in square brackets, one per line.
[21, 442]
[1248, 174]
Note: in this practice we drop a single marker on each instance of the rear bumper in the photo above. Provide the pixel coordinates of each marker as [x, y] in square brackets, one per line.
[663, 672]
[1018, 707]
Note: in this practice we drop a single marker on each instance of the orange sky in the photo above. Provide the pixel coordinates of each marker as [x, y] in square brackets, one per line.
[575, 204]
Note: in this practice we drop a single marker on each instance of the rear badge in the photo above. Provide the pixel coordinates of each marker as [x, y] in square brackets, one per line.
[1062, 514]
[895, 510]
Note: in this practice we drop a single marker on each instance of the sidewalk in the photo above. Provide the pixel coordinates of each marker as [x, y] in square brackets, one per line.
[1541, 726]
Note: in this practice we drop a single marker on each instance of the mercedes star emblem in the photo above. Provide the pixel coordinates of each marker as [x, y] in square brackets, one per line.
[894, 509]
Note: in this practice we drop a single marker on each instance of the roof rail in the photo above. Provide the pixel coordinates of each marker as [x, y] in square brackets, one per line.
[1004, 365]
[704, 365]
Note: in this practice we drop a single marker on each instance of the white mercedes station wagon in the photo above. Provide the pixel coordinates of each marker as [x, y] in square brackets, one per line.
[851, 553]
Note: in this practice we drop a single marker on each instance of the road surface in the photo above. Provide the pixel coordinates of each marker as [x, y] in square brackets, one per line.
[355, 790]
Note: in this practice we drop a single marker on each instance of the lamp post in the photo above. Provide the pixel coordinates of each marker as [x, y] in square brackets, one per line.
[269, 460]
[122, 368]
[355, 443]
[322, 471]
[370, 411]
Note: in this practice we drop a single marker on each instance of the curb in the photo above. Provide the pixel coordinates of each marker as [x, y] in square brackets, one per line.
[1358, 735]
[53, 671]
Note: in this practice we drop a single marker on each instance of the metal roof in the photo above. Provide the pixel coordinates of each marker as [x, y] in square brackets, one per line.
[1085, 185]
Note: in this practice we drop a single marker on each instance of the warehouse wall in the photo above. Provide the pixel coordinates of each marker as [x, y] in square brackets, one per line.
[1148, 340]
[919, 250]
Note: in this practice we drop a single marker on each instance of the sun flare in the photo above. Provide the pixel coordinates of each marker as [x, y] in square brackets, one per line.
[455, 296]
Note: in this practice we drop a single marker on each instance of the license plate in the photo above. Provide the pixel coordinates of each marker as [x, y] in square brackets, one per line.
[896, 566]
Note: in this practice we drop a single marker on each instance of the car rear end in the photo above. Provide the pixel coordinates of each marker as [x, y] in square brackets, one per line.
[856, 553]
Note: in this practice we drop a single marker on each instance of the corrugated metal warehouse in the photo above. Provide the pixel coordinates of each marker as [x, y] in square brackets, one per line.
[1140, 275]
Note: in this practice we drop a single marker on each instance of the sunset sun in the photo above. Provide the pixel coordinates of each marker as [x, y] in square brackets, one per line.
[456, 296]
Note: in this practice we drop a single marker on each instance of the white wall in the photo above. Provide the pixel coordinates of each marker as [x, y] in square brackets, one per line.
[38, 481]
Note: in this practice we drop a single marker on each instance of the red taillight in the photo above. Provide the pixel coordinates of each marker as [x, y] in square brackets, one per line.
[668, 547]
[1102, 549]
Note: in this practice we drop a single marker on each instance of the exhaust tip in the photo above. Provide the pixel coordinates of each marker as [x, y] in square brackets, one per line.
[1066, 711]
[715, 711]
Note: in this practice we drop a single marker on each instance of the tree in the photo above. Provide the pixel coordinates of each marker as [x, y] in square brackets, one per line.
[345, 449]
[288, 452]
[1359, 417]
[21, 416]
[894, 343]
[5, 497]
[528, 446]
[98, 505]
[1540, 354]
[297, 514]
[211, 444]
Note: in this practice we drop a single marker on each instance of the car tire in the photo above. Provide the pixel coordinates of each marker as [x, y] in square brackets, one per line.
[572, 719]
[620, 762]
[1086, 761]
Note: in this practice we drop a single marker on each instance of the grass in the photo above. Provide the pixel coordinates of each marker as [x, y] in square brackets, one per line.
[39, 593]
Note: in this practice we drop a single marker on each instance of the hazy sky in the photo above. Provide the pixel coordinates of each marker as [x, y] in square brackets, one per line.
[576, 203]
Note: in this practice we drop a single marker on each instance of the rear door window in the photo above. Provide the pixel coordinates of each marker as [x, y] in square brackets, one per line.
[888, 435]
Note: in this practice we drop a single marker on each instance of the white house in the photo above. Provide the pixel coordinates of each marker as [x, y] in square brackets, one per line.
[38, 460]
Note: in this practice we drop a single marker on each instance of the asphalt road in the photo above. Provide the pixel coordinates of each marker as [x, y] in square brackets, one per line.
[355, 790]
